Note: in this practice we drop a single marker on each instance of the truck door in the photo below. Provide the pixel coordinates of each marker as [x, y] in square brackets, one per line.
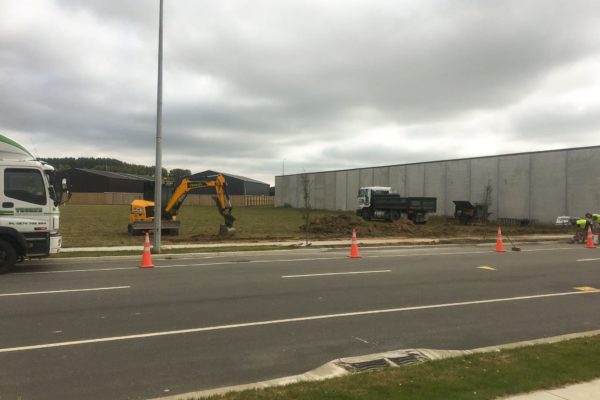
[25, 193]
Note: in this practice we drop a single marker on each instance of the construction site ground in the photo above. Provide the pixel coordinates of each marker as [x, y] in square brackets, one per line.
[106, 226]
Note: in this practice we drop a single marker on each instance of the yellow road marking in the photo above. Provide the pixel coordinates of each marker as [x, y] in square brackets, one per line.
[487, 268]
[586, 289]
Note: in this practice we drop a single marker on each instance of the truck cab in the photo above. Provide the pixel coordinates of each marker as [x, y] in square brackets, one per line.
[365, 194]
[380, 202]
[30, 194]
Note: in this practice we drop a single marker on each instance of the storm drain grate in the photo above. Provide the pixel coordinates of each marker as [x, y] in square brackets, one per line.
[366, 365]
[409, 358]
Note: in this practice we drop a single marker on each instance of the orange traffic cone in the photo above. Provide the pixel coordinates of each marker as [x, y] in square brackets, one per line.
[499, 244]
[590, 239]
[147, 256]
[354, 248]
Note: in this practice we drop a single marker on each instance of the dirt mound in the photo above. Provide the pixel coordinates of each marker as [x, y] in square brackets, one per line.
[334, 224]
[341, 225]
[402, 227]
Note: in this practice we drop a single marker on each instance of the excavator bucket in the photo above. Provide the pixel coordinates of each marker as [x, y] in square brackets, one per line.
[227, 229]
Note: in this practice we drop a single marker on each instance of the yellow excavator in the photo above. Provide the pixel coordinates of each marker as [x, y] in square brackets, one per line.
[142, 211]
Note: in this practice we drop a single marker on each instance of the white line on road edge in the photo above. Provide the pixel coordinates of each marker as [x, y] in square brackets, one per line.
[66, 271]
[64, 291]
[337, 273]
[490, 252]
[588, 259]
[284, 321]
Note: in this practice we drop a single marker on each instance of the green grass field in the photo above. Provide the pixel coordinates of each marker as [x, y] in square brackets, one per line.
[106, 225]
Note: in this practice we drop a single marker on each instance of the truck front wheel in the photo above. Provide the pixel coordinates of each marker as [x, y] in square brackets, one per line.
[366, 214]
[8, 256]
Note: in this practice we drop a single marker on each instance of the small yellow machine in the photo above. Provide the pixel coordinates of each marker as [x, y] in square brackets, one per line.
[142, 211]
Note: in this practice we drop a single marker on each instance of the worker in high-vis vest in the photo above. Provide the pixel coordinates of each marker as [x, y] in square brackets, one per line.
[583, 225]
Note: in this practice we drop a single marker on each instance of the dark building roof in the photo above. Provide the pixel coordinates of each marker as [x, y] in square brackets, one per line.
[236, 185]
[117, 175]
[84, 180]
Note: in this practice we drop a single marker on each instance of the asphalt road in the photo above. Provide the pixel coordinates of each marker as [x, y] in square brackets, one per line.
[105, 329]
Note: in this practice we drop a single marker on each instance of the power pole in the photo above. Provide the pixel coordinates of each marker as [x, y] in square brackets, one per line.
[158, 173]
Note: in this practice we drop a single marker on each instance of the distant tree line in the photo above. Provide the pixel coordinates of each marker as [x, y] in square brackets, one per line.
[113, 165]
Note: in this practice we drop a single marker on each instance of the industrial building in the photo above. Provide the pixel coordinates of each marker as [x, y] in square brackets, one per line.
[95, 181]
[536, 185]
[236, 185]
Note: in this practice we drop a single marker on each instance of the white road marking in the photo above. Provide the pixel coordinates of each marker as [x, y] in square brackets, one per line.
[289, 260]
[588, 259]
[66, 271]
[64, 291]
[361, 340]
[285, 321]
[337, 273]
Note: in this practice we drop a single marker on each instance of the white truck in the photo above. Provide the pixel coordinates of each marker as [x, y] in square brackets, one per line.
[30, 196]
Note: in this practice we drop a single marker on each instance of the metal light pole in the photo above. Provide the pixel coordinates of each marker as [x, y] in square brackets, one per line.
[158, 172]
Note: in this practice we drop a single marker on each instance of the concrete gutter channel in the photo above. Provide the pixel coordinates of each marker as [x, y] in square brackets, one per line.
[391, 359]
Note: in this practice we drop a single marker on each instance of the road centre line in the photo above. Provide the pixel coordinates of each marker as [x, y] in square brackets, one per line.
[285, 321]
[66, 271]
[284, 260]
[588, 259]
[64, 291]
[337, 273]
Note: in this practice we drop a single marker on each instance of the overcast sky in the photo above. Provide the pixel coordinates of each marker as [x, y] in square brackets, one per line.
[327, 84]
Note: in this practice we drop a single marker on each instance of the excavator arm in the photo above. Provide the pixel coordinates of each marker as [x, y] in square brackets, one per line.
[222, 198]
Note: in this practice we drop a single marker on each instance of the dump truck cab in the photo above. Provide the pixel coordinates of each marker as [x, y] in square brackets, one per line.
[365, 194]
[29, 206]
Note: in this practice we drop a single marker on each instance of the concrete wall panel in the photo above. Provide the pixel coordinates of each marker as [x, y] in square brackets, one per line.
[365, 177]
[318, 191]
[583, 188]
[352, 189]
[293, 198]
[341, 190]
[435, 184]
[381, 176]
[513, 188]
[458, 185]
[397, 178]
[282, 184]
[415, 180]
[330, 191]
[484, 171]
[548, 185]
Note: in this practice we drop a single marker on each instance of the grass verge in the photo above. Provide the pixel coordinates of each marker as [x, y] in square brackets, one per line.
[478, 376]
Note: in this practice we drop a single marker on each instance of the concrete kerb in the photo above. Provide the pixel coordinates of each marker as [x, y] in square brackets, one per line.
[370, 242]
[345, 366]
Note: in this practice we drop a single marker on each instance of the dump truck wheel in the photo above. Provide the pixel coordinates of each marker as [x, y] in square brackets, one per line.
[366, 215]
[8, 257]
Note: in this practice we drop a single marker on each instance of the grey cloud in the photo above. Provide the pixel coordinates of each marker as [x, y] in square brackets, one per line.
[317, 65]
[557, 123]
[424, 66]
